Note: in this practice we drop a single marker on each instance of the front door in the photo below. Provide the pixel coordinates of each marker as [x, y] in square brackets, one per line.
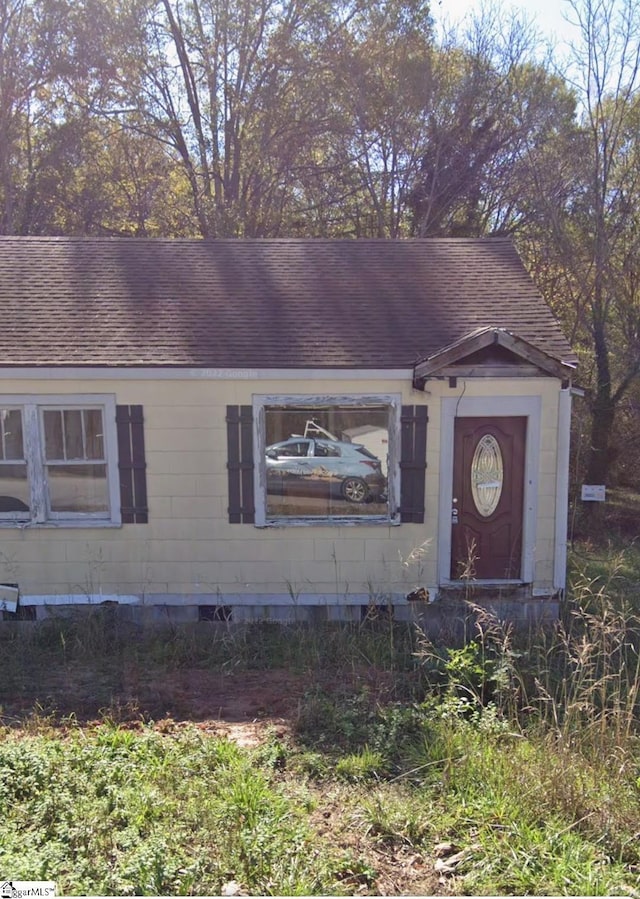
[488, 498]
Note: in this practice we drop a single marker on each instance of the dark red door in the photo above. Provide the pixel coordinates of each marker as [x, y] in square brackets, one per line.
[488, 498]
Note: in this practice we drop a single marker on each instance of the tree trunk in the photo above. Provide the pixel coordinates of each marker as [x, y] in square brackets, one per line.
[603, 413]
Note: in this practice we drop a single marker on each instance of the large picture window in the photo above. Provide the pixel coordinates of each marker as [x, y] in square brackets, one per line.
[333, 458]
[58, 459]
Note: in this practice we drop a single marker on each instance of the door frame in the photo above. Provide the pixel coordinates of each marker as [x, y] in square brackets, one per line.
[529, 407]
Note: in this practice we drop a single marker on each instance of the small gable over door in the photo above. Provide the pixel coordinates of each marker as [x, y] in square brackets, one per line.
[490, 353]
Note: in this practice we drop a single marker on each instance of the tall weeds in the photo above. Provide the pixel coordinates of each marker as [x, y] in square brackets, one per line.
[578, 681]
[586, 688]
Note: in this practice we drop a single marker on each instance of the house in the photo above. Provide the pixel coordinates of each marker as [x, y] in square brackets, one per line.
[184, 428]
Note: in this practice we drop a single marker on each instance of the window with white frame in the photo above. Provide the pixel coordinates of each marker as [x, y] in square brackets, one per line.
[14, 481]
[330, 459]
[58, 459]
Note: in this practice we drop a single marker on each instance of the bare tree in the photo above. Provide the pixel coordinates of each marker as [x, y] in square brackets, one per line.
[491, 102]
[593, 245]
[237, 91]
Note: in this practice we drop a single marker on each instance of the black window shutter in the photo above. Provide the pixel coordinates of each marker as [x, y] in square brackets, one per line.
[240, 464]
[413, 462]
[132, 465]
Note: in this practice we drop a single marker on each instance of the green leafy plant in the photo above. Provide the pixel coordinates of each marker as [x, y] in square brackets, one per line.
[366, 764]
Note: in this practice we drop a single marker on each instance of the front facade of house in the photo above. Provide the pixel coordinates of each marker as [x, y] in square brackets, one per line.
[390, 438]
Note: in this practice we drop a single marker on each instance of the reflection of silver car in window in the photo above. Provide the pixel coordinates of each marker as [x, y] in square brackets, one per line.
[308, 467]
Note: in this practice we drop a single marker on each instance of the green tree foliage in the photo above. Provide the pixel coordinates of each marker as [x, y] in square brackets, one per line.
[329, 118]
[64, 169]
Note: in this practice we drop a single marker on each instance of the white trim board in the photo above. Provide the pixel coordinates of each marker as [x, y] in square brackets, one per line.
[218, 599]
[490, 407]
[147, 373]
[562, 490]
[77, 599]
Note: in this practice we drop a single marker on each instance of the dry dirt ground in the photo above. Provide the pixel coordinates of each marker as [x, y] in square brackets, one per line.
[248, 708]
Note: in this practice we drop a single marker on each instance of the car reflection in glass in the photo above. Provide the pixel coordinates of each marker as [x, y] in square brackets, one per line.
[308, 467]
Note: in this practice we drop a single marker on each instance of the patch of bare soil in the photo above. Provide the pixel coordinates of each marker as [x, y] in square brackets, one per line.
[183, 694]
[236, 699]
[248, 708]
[137, 693]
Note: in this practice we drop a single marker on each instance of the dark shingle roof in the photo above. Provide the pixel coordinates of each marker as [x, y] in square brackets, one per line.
[259, 303]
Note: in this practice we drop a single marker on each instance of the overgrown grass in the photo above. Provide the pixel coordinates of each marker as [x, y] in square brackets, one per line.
[507, 766]
[524, 751]
[103, 636]
[103, 655]
[120, 812]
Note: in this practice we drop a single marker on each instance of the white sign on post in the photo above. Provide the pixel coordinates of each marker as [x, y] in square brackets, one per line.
[593, 493]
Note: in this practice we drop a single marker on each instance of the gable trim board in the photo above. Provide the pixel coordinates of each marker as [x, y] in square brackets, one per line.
[453, 360]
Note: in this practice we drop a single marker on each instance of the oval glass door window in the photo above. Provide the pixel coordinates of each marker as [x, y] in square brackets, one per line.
[487, 475]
